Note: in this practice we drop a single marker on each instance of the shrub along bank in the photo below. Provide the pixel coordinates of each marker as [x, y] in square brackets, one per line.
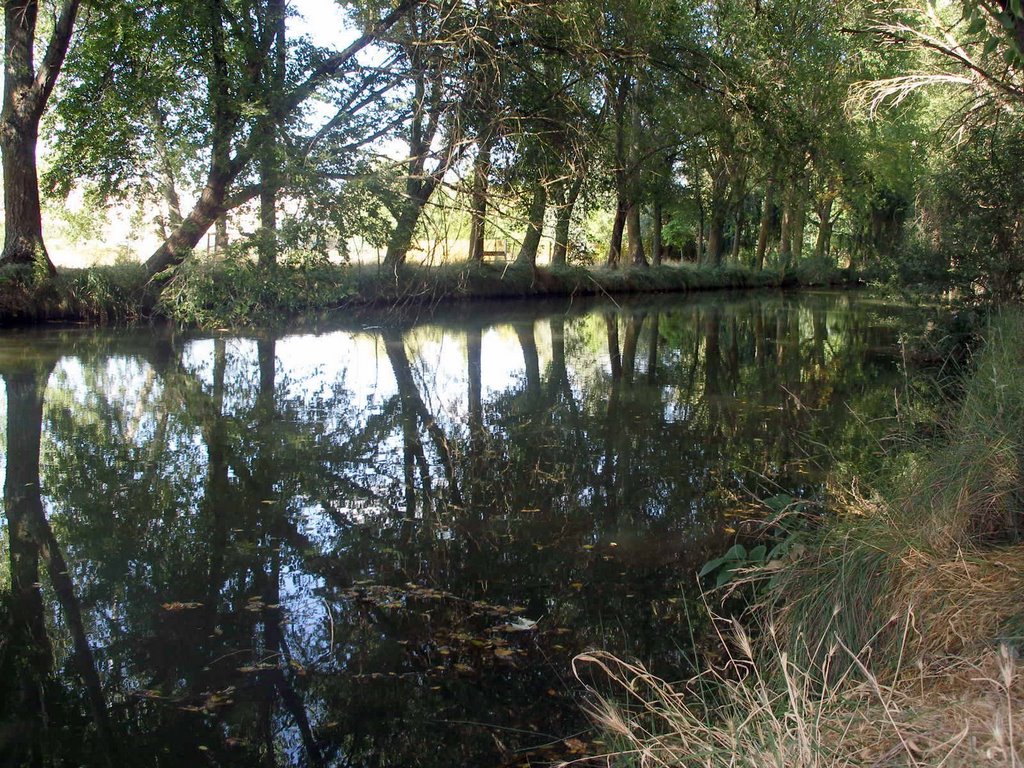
[892, 634]
[237, 292]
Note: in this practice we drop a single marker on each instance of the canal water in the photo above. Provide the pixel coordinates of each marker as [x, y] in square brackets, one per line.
[382, 543]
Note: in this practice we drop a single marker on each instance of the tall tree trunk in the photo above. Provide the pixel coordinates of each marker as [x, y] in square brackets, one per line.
[657, 246]
[716, 234]
[823, 243]
[799, 224]
[764, 230]
[618, 226]
[270, 162]
[636, 242]
[786, 237]
[535, 225]
[26, 93]
[737, 235]
[525, 331]
[27, 640]
[478, 198]
[563, 221]
[400, 242]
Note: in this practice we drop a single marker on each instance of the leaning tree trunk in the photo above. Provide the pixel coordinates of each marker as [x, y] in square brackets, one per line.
[535, 226]
[179, 245]
[615, 246]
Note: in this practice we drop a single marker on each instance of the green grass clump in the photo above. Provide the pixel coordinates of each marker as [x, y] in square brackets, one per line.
[114, 294]
[235, 291]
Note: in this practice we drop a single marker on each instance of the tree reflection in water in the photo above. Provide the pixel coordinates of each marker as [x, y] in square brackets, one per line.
[239, 552]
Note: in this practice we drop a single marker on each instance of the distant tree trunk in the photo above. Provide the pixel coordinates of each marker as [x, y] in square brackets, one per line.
[657, 217]
[822, 245]
[719, 212]
[26, 93]
[400, 242]
[786, 238]
[220, 237]
[765, 228]
[535, 225]
[799, 224]
[618, 226]
[636, 241]
[716, 235]
[563, 221]
[737, 234]
[701, 251]
[168, 181]
[478, 200]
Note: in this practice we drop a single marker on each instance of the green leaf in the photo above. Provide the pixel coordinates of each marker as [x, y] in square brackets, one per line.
[736, 552]
[976, 26]
[990, 44]
[724, 578]
[757, 553]
[709, 566]
[779, 502]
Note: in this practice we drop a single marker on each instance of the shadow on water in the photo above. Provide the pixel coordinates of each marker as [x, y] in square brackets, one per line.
[383, 547]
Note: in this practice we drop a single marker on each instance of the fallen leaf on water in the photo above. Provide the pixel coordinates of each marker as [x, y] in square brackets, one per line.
[521, 624]
[503, 653]
[180, 606]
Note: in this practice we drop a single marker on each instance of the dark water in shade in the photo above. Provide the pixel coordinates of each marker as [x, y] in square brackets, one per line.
[320, 549]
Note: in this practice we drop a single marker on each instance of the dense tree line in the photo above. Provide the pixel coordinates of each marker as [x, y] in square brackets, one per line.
[746, 131]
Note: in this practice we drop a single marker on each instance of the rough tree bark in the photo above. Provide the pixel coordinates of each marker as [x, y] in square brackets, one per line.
[26, 93]
[767, 208]
[535, 225]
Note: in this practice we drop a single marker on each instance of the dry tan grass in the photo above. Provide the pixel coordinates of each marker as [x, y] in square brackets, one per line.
[766, 712]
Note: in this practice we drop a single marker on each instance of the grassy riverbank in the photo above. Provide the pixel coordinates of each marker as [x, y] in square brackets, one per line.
[891, 636]
[238, 293]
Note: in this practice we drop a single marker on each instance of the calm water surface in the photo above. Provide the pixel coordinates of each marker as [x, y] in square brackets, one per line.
[330, 549]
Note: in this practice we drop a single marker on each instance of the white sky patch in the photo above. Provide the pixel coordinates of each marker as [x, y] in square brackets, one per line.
[323, 22]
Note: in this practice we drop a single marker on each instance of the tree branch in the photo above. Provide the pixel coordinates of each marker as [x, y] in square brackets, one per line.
[49, 68]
